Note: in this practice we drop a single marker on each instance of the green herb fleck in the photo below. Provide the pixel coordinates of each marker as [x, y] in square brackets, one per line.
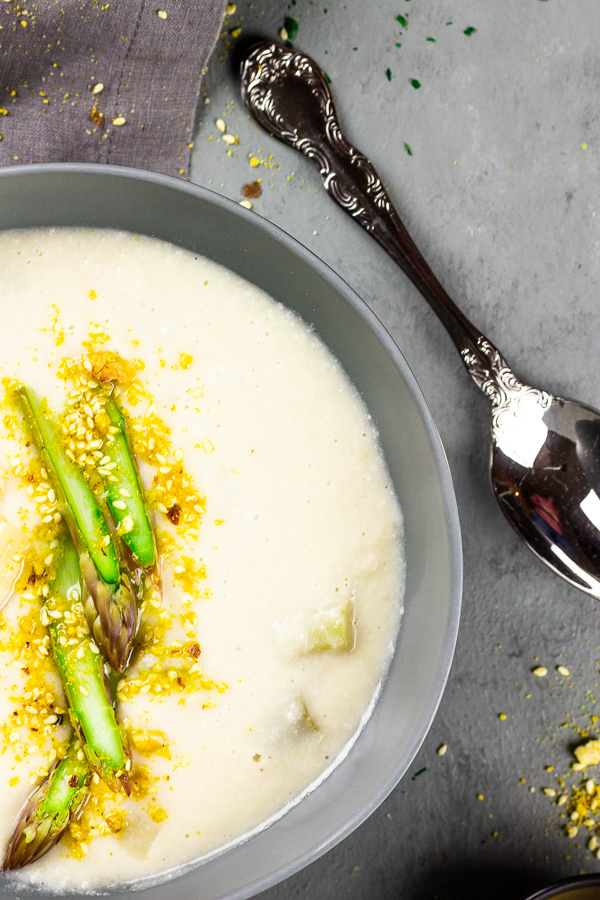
[416, 84]
[327, 78]
[402, 21]
[291, 26]
[388, 74]
[398, 45]
[448, 23]
[420, 772]
[355, 48]
[407, 148]
[469, 31]
[432, 40]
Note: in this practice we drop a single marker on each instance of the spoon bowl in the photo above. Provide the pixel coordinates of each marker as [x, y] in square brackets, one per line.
[545, 462]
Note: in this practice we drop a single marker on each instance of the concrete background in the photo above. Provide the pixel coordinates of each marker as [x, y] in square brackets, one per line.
[501, 193]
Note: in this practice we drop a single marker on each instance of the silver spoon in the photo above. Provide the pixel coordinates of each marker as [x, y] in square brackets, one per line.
[545, 463]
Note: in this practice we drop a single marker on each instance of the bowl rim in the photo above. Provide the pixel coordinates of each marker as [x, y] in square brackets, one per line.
[567, 884]
[452, 522]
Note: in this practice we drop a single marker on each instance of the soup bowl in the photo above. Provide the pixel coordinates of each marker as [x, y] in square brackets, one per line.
[371, 765]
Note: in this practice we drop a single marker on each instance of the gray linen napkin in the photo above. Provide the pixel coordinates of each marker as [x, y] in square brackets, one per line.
[148, 57]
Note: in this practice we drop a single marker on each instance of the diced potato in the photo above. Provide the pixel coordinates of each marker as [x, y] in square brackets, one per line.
[317, 630]
[140, 834]
[291, 723]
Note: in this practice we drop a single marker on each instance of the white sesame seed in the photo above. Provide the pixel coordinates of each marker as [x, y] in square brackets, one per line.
[229, 139]
[97, 89]
[246, 204]
[562, 670]
[124, 493]
[119, 504]
[540, 671]
[120, 120]
[220, 125]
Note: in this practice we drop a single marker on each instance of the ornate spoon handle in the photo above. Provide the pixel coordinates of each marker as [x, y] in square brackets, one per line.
[288, 95]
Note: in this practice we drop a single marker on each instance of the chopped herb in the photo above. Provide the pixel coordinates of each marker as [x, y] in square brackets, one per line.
[420, 772]
[289, 45]
[416, 84]
[432, 40]
[327, 78]
[448, 23]
[355, 48]
[469, 31]
[388, 74]
[291, 26]
[402, 21]
[398, 45]
[407, 148]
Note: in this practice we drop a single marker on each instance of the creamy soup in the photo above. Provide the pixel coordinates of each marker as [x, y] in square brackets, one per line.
[281, 589]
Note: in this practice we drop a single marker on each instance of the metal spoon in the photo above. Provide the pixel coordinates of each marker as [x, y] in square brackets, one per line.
[545, 464]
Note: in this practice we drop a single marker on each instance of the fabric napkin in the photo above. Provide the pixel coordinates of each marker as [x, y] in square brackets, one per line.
[103, 81]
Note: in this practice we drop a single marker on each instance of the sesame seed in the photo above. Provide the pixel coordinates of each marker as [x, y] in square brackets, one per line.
[562, 670]
[572, 831]
[549, 792]
[162, 14]
[593, 843]
[230, 139]
[246, 204]
[120, 120]
[540, 671]
[443, 750]
[119, 504]
[124, 493]
[589, 785]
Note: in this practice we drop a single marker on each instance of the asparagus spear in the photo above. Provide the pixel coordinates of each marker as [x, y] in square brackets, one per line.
[124, 493]
[114, 621]
[50, 808]
[72, 485]
[80, 665]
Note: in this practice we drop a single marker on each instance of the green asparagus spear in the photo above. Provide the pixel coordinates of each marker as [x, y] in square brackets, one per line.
[72, 485]
[124, 493]
[48, 811]
[80, 665]
[114, 621]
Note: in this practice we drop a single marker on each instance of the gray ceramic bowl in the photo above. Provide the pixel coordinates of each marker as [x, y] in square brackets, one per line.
[192, 217]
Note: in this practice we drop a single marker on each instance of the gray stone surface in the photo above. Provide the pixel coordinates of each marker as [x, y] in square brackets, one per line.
[501, 195]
